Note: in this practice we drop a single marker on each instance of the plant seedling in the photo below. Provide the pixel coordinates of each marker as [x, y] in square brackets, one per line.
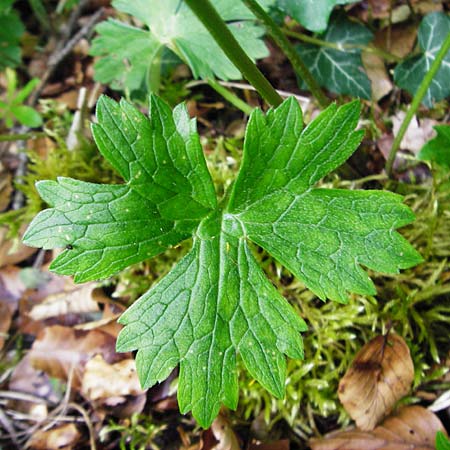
[217, 302]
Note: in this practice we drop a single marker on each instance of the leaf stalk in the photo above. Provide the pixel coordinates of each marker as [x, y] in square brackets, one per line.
[285, 45]
[218, 29]
[417, 99]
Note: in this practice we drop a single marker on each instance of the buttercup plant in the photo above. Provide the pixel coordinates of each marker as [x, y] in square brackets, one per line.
[217, 302]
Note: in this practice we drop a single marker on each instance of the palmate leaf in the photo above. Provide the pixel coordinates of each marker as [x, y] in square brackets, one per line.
[312, 14]
[340, 71]
[128, 54]
[217, 302]
[433, 30]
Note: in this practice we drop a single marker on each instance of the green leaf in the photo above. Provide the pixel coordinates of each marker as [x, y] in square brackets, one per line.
[26, 115]
[437, 149]
[340, 71]
[110, 227]
[11, 30]
[433, 30]
[217, 302]
[128, 54]
[442, 442]
[312, 14]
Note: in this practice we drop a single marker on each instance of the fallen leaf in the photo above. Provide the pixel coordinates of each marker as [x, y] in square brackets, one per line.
[26, 379]
[103, 380]
[6, 190]
[76, 301]
[378, 76]
[12, 251]
[380, 375]
[220, 436]
[399, 40]
[417, 134]
[276, 445]
[5, 323]
[60, 350]
[413, 428]
[63, 437]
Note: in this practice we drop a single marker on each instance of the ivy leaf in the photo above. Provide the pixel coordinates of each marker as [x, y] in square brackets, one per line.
[11, 30]
[437, 149]
[129, 54]
[408, 75]
[340, 71]
[312, 14]
[217, 302]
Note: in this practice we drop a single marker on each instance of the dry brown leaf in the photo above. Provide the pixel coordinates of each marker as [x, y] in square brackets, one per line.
[413, 428]
[60, 350]
[377, 73]
[417, 134]
[12, 251]
[220, 436]
[103, 380]
[379, 376]
[6, 190]
[5, 322]
[399, 40]
[282, 444]
[26, 379]
[63, 437]
[77, 301]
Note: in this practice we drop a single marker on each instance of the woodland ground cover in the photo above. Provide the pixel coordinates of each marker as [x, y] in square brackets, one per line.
[272, 239]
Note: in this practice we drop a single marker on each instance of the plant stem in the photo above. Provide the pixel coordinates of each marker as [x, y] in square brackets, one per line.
[20, 137]
[288, 49]
[212, 21]
[342, 47]
[229, 96]
[421, 91]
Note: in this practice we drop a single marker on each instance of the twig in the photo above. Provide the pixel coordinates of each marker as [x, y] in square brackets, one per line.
[60, 53]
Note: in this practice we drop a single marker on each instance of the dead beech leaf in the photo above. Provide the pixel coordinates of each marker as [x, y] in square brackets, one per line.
[77, 301]
[220, 436]
[377, 73]
[399, 40]
[103, 380]
[417, 134]
[379, 376]
[60, 350]
[413, 428]
[63, 437]
[5, 322]
[12, 251]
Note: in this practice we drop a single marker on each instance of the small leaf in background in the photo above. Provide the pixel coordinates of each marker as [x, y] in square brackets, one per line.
[413, 428]
[59, 351]
[442, 442]
[340, 71]
[77, 301]
[61, 437]
[380, 375]
[409, 74]
[380, 82]
[220, 436]
[11, 30]
[313, 15]
[26, 116]
[437, 150]
[103, 380]
[130, 56]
